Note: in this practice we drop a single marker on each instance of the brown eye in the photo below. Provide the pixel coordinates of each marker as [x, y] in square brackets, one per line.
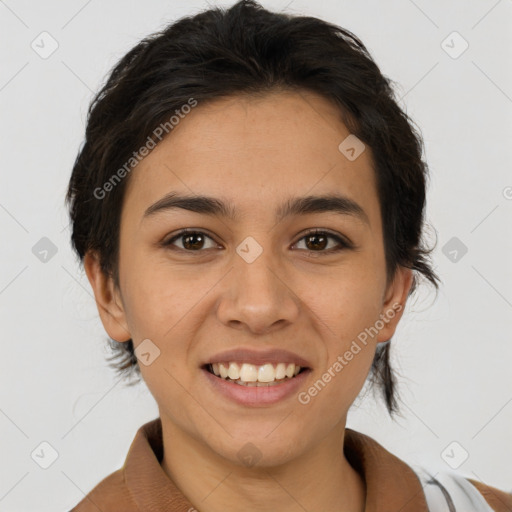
[314, 242]
[318, 241]
[191, 241]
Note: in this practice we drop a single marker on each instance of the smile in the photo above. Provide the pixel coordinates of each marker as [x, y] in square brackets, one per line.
[247, 374]
[254, 393]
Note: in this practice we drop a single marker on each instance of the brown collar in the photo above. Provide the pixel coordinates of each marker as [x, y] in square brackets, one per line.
[391, 485]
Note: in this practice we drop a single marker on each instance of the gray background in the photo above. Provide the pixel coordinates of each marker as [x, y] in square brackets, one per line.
[453, 355]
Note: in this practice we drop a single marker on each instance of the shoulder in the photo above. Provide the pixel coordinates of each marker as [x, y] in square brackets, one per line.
[110, 495]
[498, 499]
[453, 492]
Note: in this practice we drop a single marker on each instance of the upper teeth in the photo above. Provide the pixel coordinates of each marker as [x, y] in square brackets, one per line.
[252, 373]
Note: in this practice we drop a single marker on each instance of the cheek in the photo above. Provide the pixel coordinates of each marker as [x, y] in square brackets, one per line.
[154, 298]
[349, 356]
[159, 309]
[349, 301]
[349, 313]
[163, 307]
[330, 395]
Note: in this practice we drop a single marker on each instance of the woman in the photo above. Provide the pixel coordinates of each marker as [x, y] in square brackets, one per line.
[248, 206]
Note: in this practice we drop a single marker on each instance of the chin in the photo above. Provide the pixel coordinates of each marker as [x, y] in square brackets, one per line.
[256, 448]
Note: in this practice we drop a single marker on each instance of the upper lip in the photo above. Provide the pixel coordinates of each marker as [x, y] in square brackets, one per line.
[258, 357]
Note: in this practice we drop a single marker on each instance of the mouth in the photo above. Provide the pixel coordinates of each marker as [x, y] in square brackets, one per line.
[252, 375]
[255, 377]
[258, 383]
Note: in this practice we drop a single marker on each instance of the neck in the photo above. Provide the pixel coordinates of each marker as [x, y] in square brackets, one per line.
[319, 479]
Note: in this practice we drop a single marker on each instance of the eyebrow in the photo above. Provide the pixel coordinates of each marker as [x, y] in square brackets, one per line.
[331, 203]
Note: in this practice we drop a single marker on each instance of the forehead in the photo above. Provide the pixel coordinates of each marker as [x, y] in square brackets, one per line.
[257, 151]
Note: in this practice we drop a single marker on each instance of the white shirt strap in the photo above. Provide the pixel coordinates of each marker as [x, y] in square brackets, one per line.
[449, 492]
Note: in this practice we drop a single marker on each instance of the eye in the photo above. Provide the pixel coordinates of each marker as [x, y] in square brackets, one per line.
[318, 240]
[315, 241]
[192, 241]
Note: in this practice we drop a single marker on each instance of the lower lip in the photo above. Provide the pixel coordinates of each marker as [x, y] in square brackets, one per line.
[256, 395]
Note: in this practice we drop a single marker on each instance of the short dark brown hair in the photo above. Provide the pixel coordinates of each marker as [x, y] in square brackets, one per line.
[247, 49]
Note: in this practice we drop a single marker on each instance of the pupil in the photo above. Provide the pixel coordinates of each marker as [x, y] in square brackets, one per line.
[315, 244]
[191, 245]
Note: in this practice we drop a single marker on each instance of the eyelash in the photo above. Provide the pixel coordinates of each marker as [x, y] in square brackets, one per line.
[344, 243]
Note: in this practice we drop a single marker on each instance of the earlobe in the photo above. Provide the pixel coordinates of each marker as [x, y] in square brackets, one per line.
[109, 304]
[394, 303]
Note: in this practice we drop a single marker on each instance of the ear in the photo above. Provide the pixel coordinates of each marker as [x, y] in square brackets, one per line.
[108, 299]
[394, 302]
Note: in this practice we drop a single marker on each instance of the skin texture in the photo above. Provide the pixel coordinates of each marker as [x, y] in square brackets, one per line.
[257, 153]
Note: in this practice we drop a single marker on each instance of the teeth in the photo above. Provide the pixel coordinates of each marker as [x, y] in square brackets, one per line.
[281, 371]
[223, 371]
[249, 373]
[266, 373]
[233, 371]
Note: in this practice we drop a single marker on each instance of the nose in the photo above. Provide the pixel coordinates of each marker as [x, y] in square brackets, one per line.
[258, 296]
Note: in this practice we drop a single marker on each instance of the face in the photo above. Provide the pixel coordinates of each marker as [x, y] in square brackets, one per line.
[251, 279]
